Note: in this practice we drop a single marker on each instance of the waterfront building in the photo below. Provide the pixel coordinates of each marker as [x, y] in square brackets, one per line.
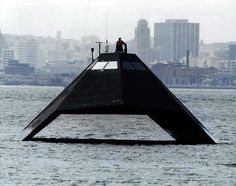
[63, 67]
[232, 52]
[15, 68]
[174, 38]
[177, 75]
[27, 51]
[232, 58]
[7, 55]
[3, 45]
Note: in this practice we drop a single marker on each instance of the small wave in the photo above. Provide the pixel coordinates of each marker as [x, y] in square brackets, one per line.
[230, 164]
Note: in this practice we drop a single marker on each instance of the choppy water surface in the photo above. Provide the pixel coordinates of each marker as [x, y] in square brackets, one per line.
[38, 163]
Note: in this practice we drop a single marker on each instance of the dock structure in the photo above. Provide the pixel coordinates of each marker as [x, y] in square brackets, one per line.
[120, 83]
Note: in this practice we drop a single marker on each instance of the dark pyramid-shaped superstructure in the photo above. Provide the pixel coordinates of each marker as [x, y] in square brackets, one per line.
[118, 83]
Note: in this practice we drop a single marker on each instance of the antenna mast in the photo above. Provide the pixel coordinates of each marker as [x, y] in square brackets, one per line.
[106, 27]
[106, 43]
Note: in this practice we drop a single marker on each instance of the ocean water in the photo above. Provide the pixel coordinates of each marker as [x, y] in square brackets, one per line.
[39, 163]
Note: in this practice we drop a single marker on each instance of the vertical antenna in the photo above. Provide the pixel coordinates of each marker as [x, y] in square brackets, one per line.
[106, 44]
[106, 28]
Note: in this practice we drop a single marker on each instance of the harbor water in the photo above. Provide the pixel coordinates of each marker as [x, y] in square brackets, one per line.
[40, 163]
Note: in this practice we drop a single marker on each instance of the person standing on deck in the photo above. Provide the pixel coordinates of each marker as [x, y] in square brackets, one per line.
[119, 46]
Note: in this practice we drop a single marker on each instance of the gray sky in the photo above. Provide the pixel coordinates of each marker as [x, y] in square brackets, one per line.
[77, 18]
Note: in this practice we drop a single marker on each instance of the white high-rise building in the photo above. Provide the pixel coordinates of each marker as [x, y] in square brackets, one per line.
[174, 38]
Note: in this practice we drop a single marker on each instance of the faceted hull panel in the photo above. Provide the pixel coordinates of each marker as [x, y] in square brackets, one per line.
[92, 91]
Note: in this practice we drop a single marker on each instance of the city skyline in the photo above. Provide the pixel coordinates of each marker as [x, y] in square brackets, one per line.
[56, 61]
[78, 18]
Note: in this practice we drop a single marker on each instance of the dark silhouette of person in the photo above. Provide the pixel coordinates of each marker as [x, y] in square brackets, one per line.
[119, 46]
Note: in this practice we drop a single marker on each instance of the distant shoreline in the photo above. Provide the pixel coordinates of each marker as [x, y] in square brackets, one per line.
[170, 87]
[201, 87]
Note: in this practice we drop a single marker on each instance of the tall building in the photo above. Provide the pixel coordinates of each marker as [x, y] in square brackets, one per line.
[27, 51]
[142, 35]
[174, 38]
[142, 40]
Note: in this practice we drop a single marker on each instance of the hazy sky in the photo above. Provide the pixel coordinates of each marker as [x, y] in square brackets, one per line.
[77, 18]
